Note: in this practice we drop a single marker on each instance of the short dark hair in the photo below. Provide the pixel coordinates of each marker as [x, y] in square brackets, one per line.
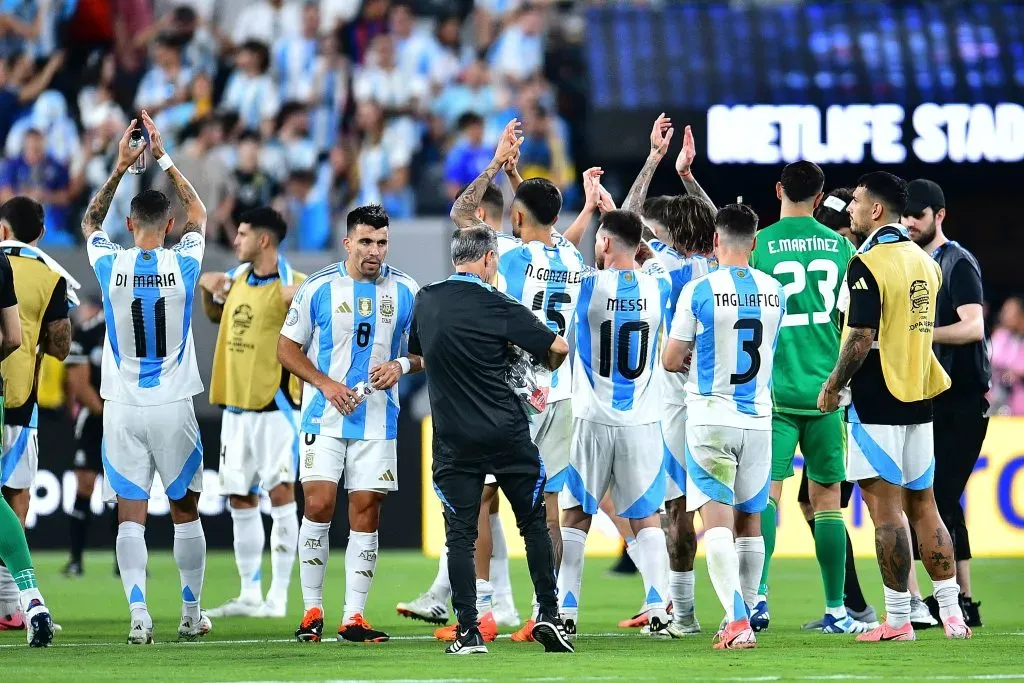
[654, 207]
[736, 221]
[887, 189]
[625, 226]
[468, 119]
[472, 244]
[266, 218]
[261, 51]
[690, 220]
[802, 180]
[25, 216]
[541, 198]
[834, 217]
[372, 215]
[494, 199]
[249, 136]
[150, 208]
[185, 14]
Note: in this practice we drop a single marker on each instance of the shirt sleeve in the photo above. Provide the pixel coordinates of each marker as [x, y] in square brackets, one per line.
[99, 245]
[8, 297]
[965, 284]
[525, 330]
[192, 245]
[57, 309]
[298, 323]
[865, 297]
[684, 321]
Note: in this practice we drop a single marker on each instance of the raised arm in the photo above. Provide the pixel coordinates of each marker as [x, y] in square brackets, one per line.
[97, 210]
[512, 172]
[683, 163]
[463, 212]
[195, 210]
[592, 196]
[661, 135]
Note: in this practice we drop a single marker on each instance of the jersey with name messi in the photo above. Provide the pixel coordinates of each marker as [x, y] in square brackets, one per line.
[547, 281]
[149, 358]
[618, 323]
[346, 327]
[681, 269]
[733, 316]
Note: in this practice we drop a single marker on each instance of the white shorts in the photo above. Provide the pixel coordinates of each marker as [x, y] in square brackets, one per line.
[552, 432]
[140, 441]
[673, 434]
[729, 465]
[257, 449]
[370, 465]
[903, 455]
[20, 458]
[624, 460]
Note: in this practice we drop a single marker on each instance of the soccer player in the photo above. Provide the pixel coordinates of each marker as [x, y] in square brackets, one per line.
[149, 378]
[260, 428]
[14, 553]
[617, 411]
[42, 296]
[887, 359]
[348, 321]
[810, 260]
[832, 213]
[83, 381]
[730, 319]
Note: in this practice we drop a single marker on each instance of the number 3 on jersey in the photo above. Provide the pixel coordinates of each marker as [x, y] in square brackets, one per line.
[792, 290]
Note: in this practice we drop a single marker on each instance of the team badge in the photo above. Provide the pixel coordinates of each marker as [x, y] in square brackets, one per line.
[387, 307]
[741, 273]
[309, 460]
[628, 277]
[365, 306]
[292, 317]
[241, 319]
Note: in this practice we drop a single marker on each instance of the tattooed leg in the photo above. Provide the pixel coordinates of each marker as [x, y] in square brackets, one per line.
[892, 545]
[934, 542]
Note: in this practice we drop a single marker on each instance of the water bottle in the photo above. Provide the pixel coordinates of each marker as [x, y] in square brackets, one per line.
[362, 390]
[136, 141]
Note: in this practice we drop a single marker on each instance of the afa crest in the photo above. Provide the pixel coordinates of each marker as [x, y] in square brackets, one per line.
[387, 307]
[628, 277]
[365, 306]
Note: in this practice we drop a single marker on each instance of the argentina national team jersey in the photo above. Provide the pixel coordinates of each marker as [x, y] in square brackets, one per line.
[733, 315]
[547, 281]
[149, 357]
[618, 322]
[347, 327]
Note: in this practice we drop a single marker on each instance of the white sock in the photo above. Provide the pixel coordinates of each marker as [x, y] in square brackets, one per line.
[190, 556]
[132, 556]
[442, 588]
[247, 526]
[484, 597]
[897, 607]
[632, 550]
[947, 594]
[750, 552]
[360, 565]
[724, 568]
[652, 553]
[284, 538]
[534, 607]
[314, 548]
[499, 560]
[10, 599]
[681, 588]
[570, 574]
[27, 596]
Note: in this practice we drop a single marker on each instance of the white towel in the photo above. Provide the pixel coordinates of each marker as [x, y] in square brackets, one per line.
[28, 251]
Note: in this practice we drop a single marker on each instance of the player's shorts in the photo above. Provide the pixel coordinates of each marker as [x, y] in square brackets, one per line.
[622, 460]
[903, 455]
[257, 448]
[370, 465]
[822, 442]
[729, 465]
[142, 441]
[89, 441]
[552, 432]
[20, 458]
[673, 437]
[845, 491]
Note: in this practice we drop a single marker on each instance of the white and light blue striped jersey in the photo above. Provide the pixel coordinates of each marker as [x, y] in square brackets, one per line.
[733, 316]
[618, 322]
[681, 269]
[149, 357]
[547, 281]
[346, 327]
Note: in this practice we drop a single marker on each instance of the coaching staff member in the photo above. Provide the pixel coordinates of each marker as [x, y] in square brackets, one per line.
[960, 421]
[462, 327]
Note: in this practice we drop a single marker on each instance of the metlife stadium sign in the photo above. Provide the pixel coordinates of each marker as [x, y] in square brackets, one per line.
[772, 134]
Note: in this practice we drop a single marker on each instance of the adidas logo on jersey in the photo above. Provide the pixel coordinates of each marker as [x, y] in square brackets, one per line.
[315, 561]
[344, 308]
[860, 284]
[387, 476]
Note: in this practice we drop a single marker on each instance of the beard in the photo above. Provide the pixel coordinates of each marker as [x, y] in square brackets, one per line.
[517, 231]
[924, 234]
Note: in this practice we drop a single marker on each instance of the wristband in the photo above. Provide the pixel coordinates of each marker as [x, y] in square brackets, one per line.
[405, 363]
[164, 162]
[685, 174]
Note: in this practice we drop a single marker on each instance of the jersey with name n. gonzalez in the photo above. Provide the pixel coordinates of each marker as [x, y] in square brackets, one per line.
[810, 261]
[547, 281]
[346, 327]
[149, 358]
[618, 324]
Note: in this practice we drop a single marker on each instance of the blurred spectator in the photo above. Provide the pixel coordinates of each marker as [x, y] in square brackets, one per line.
[50, 117]
[336, 13]
[472, 93]
[358, 35]
[543, 153]
[292, 147]
[250, 91]
[265, 21]
[96, 104]
[451, 55]
[208, 174]
[294, 58]
[20, 86]
[37, 175]
[468, 157]
[202, 43]
[1008, 359]
[330, 92]
[518, 52]
[133, 30]
[397, 93]
[249, 187]
[341, 186]
[167, 81]
[309, 210]
[415, 47]
[21, 27]
[383, 165]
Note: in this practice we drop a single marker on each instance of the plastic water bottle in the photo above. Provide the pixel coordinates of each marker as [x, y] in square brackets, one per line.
[136, 141]
[362, 390]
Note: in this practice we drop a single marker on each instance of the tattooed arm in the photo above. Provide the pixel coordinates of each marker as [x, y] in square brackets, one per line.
[463, 212]
[56, 339]
[661, 135]
[851, 356]
[195, 210]
[100, 204]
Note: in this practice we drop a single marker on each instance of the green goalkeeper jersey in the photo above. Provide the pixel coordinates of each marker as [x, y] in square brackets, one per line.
[809, 260]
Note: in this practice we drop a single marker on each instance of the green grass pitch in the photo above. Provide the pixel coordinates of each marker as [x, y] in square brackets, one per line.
[94, 615]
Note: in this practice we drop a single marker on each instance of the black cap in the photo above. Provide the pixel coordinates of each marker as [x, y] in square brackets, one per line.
[922, 194]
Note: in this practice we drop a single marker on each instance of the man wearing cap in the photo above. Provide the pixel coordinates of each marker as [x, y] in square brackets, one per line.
[960, 420]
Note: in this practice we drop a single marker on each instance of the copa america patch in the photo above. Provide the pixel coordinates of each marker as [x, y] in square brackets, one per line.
[292, 317]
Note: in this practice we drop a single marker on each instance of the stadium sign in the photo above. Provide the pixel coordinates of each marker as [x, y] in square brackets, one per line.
[882, 133]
